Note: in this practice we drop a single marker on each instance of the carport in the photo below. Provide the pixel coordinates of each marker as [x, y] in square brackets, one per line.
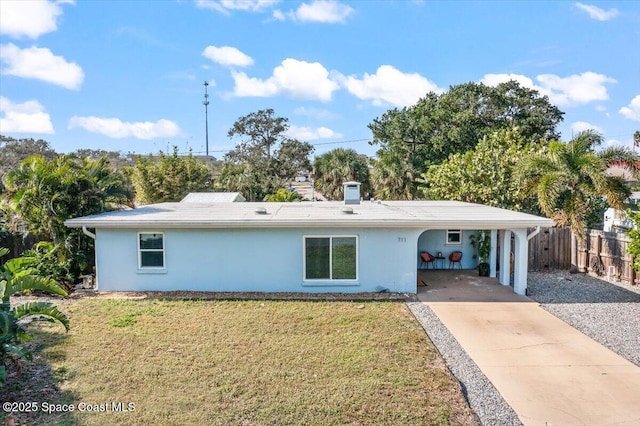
[439, 243]
[463, 286]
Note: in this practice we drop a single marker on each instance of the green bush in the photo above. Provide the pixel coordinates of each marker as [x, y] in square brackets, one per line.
[51, 261]
[633, 247]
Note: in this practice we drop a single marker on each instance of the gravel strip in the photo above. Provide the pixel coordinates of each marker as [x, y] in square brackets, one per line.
[608, 313]
[484, 399]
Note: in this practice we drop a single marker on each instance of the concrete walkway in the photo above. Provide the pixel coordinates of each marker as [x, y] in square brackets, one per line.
[547, 371]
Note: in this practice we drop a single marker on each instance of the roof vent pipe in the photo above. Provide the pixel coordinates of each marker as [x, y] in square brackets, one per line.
[351, 192]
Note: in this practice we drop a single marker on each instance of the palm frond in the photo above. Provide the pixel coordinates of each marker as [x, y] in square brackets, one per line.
[16, 350]
[585, 141]
[616, 191]
[5, 326]
[592, 170]
[549, 190]
[41, 309]
[18, 263]
[32, 282]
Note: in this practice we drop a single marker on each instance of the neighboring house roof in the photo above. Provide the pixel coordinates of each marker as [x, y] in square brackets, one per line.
[213, 197]
[620, 170]
[418, 214]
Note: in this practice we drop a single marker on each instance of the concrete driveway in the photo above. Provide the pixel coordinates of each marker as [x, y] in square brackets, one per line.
[547, 371]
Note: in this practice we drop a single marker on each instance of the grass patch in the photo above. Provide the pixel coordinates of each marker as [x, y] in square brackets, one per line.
[129, 318]
[253, 363]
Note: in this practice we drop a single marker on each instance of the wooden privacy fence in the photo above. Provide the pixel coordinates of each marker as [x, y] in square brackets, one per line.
[602, 254]
[550, 249]
[605, 253]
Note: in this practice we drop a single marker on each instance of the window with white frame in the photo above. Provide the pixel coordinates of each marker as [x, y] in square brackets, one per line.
[151, 250]
[331, 257]
[454, 236]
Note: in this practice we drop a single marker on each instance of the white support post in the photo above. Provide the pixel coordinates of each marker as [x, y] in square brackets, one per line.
[505, 259]
[493, 257]
[521, 262]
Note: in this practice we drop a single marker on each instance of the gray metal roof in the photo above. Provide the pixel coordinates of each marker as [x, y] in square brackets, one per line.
[213, 197]
[418, 214]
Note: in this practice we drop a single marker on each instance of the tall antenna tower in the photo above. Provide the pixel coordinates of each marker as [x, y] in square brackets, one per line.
[206, 116]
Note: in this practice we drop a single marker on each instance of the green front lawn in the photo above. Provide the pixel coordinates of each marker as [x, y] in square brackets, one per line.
[244, 362]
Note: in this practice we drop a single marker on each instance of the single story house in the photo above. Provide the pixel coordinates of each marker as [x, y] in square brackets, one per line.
[351, 246]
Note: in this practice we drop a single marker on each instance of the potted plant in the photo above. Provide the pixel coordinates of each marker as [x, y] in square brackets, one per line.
[481, 242]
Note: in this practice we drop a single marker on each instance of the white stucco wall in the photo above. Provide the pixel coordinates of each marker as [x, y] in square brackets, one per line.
[269, 260]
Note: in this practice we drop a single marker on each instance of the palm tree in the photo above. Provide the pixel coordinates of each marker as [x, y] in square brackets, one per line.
[45, 193]
[244, 179]
[567, 177]
[393, 178]
[332, 169]
[17, 275]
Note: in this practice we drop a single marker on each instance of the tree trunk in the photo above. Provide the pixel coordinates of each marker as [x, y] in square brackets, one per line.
[574, 254]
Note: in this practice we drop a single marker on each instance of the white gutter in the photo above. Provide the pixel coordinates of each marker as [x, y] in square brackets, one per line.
[187, 224]
[533, 234]
[85, 231]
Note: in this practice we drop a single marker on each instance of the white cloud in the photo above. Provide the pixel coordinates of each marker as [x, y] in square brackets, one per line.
[581, 126]
[576, 89]
[318, 11]
[298, 79]
[614, 142]
[495, 79]
[246, 86]
[41, 64]
[311, 134]
[116, 129]
[27, 117]
[597, 13]
[225, 6]
[30, 18]
[391, 86]
[226, 55]
[318, 114]
[323, 11]
[632, 111]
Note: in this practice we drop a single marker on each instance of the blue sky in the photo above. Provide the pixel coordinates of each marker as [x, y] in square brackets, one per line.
[129, 76]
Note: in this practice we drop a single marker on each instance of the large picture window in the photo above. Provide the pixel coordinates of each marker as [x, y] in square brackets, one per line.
[331, 258]
[150, 250]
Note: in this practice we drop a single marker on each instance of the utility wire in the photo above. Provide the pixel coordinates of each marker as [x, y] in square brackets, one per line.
[313, 144]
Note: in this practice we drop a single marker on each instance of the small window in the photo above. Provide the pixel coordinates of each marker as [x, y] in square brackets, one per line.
[151, 250]
[331, 258]
[454, 236]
